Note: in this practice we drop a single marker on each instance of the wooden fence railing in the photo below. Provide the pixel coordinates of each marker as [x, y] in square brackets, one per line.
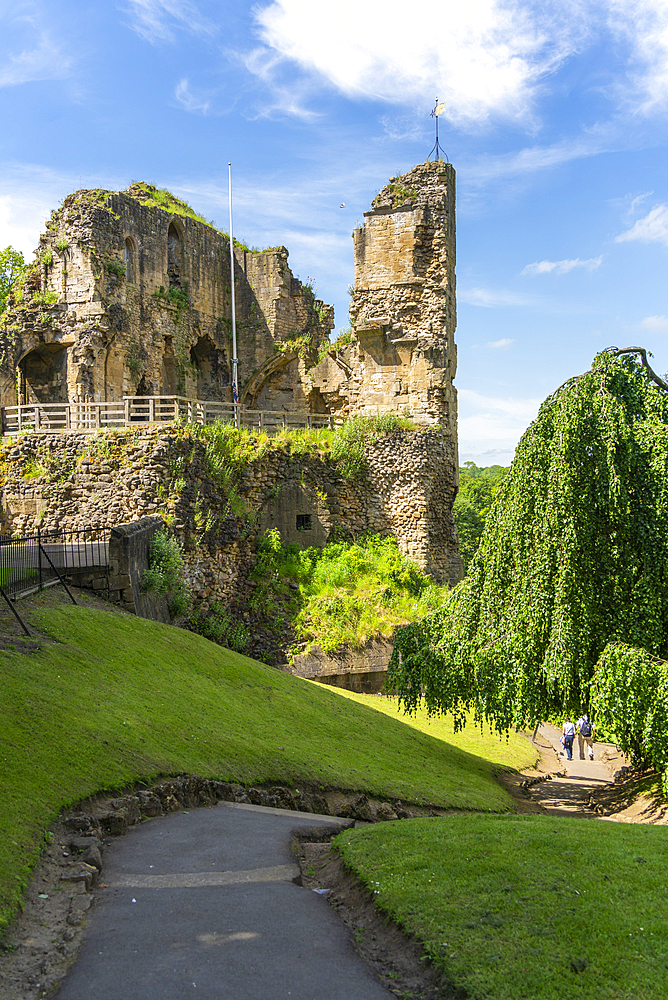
[56, 418]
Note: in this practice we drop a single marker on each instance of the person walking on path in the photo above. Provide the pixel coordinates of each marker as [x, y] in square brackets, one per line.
[585, 735]
[568, 731]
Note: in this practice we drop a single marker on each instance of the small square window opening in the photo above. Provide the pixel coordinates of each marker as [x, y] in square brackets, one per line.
[303, 522]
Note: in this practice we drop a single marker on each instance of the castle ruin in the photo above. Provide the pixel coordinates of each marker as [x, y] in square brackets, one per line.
[130, 296]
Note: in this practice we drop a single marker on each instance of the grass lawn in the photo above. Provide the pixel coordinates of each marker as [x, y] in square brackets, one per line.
[511, 751]
[117, 698]
[526, 907]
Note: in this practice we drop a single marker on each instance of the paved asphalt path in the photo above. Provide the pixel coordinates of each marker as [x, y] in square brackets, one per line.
[568, 795]
[202, 904]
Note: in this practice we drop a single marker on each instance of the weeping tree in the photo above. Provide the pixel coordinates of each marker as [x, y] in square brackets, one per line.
[566, 601]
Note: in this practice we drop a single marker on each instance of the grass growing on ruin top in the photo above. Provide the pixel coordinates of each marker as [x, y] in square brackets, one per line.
[110, 699]
[345, 444]
[525, 907]
[155, 197]
[348, 592]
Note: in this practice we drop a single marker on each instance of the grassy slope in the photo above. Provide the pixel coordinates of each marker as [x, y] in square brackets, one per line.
[511, 751]
[117, 698]
[526, 907]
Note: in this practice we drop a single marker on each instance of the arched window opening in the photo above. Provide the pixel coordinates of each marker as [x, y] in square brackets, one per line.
[173, 256]
[128, 259]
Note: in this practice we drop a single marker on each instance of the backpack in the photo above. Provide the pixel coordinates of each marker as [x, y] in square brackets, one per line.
[585, 728]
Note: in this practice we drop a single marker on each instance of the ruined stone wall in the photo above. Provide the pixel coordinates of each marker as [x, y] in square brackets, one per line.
[129, 299]
[75, 481]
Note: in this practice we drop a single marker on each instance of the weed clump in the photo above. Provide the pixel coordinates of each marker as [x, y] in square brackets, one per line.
[164, 575]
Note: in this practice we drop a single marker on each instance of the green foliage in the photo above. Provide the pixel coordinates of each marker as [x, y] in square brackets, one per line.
[12, 268]
[155, 197]
[345, 337]
[114, 699]
[47, 257]
[62, 244]
[355, 433]
[164, 575]
[477, 489]
[299, 343]
[471, 471]
[348, 592]
[116, 267]
[177, 296]
[630, 698]
[219, 626]
[47, 298]
[574, 555]
[524, 907]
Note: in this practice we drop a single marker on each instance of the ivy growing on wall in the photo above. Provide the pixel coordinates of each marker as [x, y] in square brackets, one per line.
[574, 557]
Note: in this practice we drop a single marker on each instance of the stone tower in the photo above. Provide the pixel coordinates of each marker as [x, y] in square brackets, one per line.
[402, 355]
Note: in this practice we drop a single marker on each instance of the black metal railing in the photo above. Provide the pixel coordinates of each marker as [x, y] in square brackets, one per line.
[33, 562]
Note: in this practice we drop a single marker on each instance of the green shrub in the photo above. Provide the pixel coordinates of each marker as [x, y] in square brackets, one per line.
[221, 627]
[116, 267]
[630, 699]
[164, 575]
[13, 269]
[348, 592]
[351, 438]
[477, 489]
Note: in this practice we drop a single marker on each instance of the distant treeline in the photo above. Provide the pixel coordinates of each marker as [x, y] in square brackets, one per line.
[477, 489]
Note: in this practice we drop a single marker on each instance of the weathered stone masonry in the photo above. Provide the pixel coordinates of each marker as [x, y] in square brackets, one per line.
[403, 312]
[75, 481]
[143, 307]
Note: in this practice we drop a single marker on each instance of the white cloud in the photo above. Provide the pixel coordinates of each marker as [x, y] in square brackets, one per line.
[190, 101]
[643, 25]
[30, 50]
[485, 57]
[562, 266]
[489, 298]
[653, 228]
[155, 20]
[501, 344]
[491, 426]
[656, 324]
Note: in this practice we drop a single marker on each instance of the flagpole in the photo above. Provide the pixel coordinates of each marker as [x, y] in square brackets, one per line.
[235, 360]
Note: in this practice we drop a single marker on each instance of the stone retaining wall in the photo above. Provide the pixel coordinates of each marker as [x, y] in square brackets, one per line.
[75, 481]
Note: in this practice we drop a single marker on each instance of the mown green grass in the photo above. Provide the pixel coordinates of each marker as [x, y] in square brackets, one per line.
[118, 699]
[510, 751]
[526, 907]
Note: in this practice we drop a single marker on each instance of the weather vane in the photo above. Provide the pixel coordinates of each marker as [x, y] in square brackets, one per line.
[438, 149]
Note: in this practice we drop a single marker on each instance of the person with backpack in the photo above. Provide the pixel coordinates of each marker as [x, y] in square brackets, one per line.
[585, 735]
[568, 731]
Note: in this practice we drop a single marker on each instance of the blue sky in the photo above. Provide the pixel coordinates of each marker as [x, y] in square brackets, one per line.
[556, 116]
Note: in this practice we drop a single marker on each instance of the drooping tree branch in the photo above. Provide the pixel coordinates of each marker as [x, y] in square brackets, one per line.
[616, 351]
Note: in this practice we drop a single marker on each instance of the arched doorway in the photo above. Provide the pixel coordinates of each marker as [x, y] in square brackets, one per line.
[129, 259]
